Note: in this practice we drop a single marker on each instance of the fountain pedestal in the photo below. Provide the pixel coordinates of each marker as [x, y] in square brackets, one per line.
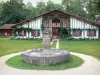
[46, 40]
[46, 55]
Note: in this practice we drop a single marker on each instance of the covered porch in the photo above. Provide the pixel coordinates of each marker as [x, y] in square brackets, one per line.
[55, 22]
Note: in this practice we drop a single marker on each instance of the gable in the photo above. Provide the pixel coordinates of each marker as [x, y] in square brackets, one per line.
[60, 13]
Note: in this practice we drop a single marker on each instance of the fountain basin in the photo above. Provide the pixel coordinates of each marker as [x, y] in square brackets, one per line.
[42, 56]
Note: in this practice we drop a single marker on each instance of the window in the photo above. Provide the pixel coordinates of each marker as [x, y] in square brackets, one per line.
[65, 23]
[32, 33]
[77, 33]
[20, 33]
[36, 33]
[55, 21]
[91, 33]
[5, 33]
[24, 33]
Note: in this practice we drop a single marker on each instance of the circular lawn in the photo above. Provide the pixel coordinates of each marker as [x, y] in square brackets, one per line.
[17, 62]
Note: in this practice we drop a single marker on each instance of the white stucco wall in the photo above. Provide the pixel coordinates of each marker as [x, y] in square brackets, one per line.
[35, 24]
[79, 24]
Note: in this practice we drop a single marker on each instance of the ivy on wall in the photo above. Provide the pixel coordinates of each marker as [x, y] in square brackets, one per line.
[63, 32]
[42, 26]
[20, 29]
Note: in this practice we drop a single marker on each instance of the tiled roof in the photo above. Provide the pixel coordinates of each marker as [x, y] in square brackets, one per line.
[87, 21]
[7, 26]
[97, 23]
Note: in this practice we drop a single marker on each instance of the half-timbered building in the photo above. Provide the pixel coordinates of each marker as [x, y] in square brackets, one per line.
[52, 21]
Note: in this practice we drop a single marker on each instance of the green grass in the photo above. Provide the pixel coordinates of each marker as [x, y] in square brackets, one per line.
[17, 62]
[54, 44]
[8, 46]
[89, 47]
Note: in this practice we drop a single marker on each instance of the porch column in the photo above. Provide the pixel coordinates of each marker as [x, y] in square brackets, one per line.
[97, 34]
[30, 33]
[26, 34]
[16, 34]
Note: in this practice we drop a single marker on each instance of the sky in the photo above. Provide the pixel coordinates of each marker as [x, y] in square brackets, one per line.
[35, 1]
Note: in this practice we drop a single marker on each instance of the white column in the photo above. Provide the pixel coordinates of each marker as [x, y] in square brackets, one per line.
[27, 34]
[78, 24]
[40, 28]
[83, 34]
[17, 34]
[75, 23]
[97, 34]
[36, 24]
[71, 23]
[30, 34]
[40, 34]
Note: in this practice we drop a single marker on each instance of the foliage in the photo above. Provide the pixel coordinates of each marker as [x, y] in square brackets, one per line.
[91, 9]
[83, 8]
[98, 10]
[20, 29]
[14, 11]
[40, 8]
[29, 10]
[63, 32]
[17, 62]
[98, 4]
[74, 6]
[1, 8]
[51, 6]
[42, 26]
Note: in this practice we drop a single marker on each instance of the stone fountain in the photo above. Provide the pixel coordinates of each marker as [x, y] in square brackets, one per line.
[46, 55]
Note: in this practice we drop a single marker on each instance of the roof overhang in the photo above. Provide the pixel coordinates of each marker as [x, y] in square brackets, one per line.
[66, 13]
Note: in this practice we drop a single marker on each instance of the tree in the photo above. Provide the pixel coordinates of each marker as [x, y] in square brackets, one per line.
[59, 7]
[74, 6]
[98, 4]
[98, 10]
[66, 4]
[12, 12]
[29, 10]
[52, 6]
[91, 8]
[1, 4]
[40, 8]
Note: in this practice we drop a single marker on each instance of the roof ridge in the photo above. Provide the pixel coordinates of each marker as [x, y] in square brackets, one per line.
[64, 12]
